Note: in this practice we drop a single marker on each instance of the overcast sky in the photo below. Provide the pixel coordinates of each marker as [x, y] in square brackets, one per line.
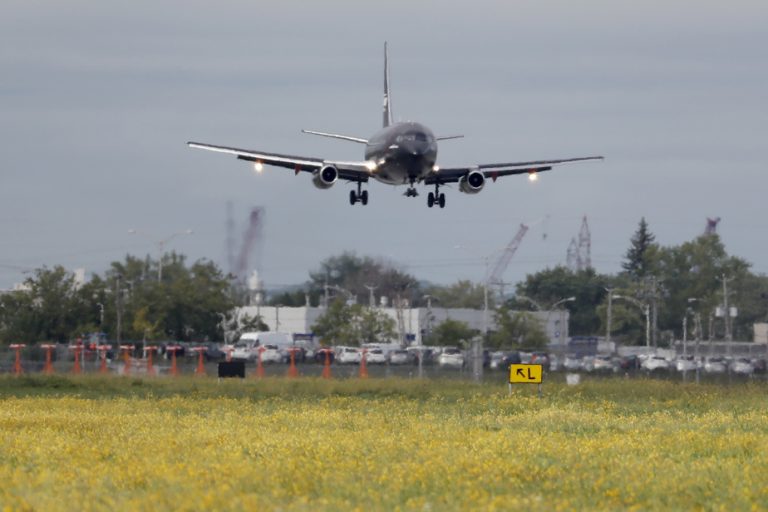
[97, 101]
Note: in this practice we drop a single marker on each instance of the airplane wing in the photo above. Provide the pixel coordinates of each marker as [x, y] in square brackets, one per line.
[351, 171]
[494, 171]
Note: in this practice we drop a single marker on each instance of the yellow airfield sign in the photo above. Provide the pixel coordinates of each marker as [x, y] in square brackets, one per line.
[525, 374]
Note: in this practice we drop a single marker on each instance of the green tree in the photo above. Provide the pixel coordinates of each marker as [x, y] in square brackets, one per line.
[354, 274]
[141, 324]
[191, 302]
[344, 324]
[516, 329]
[552, 285]
[451, 333]
[462, 294]
[51, 306]
[640, 257]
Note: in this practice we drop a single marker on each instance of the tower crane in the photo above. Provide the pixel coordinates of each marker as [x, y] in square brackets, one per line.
[495, 277]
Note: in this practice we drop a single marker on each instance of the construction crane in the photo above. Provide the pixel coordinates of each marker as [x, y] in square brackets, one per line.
[711, 227]
[250, 241]
[579, 255]
[495, 277]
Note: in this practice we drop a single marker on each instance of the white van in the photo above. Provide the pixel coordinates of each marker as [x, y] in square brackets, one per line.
[247, 347]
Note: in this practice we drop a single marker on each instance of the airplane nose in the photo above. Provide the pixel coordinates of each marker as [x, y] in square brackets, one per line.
[418, 148]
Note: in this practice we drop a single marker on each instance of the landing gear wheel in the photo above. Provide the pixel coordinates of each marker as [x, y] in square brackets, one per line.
[352, 197]
[441, 200]
[364, 197]
[431, 200]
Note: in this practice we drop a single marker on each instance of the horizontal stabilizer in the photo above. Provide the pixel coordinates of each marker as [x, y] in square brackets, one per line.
[446, 137]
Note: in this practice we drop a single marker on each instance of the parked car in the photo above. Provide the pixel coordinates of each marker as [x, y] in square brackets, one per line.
[320, 355]
[759, 365]
[347, 355]
[497, 360]
[599, 364]
[211, 352]
[571, 364]
[245, 350]
[425, 353]
[656, 364]
[685, 364]
[541, 358]
[715, 365]
[451, 357]
[400, 356]
[629, 363]
[272, 354]
[375, 356]
[742, 366]
[511, 358]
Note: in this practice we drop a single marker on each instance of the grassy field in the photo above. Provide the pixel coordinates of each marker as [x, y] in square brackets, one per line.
[308, 444]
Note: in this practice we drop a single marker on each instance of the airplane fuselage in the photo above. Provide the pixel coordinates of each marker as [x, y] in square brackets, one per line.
[404, 153]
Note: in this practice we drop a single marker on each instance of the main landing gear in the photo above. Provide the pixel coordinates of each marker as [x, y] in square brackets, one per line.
[360, 196]
[436, 197]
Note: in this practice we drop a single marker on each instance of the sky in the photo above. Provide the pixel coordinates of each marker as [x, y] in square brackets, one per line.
[98, 100]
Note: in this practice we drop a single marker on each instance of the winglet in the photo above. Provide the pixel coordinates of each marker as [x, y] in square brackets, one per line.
[387, 114]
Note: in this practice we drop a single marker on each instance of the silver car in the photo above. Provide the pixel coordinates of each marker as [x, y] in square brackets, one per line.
[715, 365]
[742, 366]
[655, 363]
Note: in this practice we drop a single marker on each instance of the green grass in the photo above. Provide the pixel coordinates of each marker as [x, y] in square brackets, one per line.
[627, 396]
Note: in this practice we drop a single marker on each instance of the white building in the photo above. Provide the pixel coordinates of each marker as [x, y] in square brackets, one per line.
[414, 323]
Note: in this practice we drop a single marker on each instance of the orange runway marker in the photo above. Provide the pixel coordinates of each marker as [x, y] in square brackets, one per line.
[48, 367]
[17, 369]
[150, 368]
[364, 364]
[260, 365]
[200, 370]
[172, 349]
[103, 349]
[293, 372]
[76, 348]
[327, 365]
[127, 357]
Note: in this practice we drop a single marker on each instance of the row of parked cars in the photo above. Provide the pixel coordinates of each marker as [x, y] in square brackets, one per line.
[657, 363]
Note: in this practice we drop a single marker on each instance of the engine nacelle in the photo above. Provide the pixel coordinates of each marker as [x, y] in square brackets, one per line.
[325, 177]
[472, 183]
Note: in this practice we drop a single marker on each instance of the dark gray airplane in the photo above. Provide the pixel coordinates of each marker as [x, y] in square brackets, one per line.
[401, 154]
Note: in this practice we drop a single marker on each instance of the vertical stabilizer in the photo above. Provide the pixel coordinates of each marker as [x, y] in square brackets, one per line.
[387, 105]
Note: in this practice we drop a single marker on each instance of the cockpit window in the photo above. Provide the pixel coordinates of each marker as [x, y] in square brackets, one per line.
[412, 137]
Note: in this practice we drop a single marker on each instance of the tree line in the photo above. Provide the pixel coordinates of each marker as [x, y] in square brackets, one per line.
[196, 301]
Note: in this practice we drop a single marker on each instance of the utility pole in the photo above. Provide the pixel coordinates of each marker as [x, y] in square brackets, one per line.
[371, 298]
[609, 317]
[118, 307]
[727, 314]
[726, 309]
[654, 312]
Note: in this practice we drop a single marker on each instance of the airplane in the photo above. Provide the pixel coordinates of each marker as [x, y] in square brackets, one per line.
[402, 153]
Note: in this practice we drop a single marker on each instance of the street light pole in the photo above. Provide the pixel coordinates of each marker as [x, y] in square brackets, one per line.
[609, 317]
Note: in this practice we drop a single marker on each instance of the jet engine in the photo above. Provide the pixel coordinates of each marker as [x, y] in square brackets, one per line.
[325, 177]
[472, 183]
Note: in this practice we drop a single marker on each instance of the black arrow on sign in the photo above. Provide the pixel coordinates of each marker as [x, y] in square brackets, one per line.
[521, 373]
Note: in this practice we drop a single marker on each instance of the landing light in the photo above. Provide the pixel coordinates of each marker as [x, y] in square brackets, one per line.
[258, 167]
[533, 176]
[435, 168]
[370, 165]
